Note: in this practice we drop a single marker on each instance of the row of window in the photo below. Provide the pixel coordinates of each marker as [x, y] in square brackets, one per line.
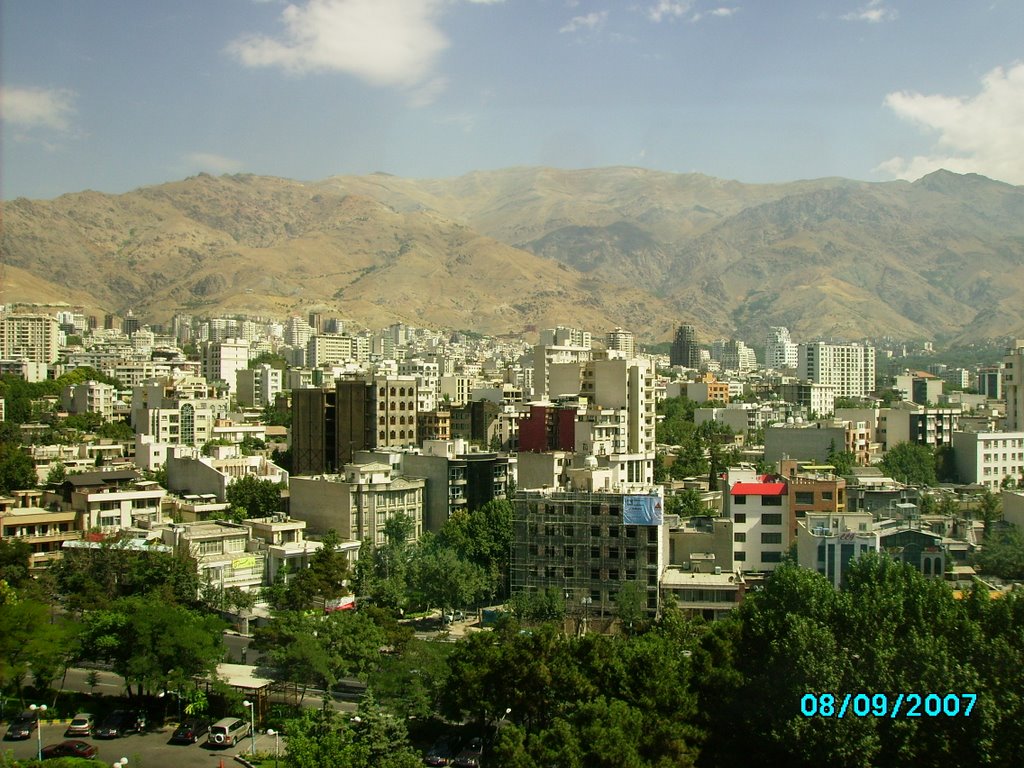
[766, 538]
[768, 518]
[766, 501]
[769, 556]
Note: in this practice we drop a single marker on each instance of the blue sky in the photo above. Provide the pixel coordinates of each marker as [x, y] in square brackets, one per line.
[116, 94]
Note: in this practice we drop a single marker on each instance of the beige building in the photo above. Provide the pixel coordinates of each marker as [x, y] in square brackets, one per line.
[358, 502]
[22, 518]
[226, 555]
[31, 337]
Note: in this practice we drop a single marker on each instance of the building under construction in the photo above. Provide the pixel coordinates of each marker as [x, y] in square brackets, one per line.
[588, 546]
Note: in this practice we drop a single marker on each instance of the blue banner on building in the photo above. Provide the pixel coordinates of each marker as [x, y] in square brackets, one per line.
[642, 510]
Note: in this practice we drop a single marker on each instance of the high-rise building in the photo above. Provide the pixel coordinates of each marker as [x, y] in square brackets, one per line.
[329, 426]
[1013, 386]
[685, 351]
[257, 387]
[850, 368]
[30, 337]
[622, 341]
[222, 360]
[589, 546]
[780, 350]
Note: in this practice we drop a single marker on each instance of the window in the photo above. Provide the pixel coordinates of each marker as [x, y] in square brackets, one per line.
[827, 495]
[771, 501]
[739, 517]
[805, 497]
[739, 537]
[739, 555]
[771, 518]
[771, 538]
[739, 500]
[771, 557]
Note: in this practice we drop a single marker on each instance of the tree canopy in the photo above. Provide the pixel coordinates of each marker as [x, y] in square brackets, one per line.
[910, 463]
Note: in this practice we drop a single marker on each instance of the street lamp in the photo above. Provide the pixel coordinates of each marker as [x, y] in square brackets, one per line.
[177, 697]
[586, 601]
[39, 709]
[277, 737]
[120, 763]
[252, 725]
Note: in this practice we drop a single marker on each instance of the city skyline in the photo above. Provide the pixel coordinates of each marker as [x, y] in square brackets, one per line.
[114, 96]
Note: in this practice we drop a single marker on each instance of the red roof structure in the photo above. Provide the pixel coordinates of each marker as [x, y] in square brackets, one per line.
[758, 489]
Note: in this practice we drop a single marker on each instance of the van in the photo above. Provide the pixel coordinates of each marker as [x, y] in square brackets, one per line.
[227, 732]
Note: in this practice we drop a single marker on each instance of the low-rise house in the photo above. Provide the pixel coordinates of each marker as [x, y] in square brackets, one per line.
[23, 518]
[710, 595]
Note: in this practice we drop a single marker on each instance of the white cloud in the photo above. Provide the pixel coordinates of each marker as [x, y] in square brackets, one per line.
[873, 13]
[427, 93]
[722, 13]
[981, 134]
[591, 21]
[383, 42]
[668, 9]
[207, 161]
[50, 108]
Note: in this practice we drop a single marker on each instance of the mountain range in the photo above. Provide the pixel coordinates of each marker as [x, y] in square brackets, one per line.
[512, 250]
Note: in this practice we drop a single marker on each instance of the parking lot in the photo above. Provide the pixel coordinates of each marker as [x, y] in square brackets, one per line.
[148, 750]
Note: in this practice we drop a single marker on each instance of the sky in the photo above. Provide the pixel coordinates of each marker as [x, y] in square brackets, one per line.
[112, 95]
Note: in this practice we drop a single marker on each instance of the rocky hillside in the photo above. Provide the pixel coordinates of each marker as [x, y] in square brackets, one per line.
[505, 251]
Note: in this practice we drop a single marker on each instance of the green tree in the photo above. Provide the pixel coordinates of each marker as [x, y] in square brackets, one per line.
[57, 474]
[843, 461]
[374, 739]
[143, 637]
[990, 509]
[16, 469]
[1002, 554]
[255, 496]
[910, 463]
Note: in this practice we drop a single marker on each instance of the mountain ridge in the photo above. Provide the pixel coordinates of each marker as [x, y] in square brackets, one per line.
[506, 251]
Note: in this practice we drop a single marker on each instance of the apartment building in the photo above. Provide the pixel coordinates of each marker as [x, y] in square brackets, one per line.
[850, 368]
[780, 350]
[817, 399]
[829, 543]
[257, 387]
[813, 489]
[89, 397]
[111, 501]
[987, 458]
[621, 341]
[222, 360]
[226, 554]
[1013, 386]
[588, 546]
[178, 409]
[24, 518]
[759, 509]
[329, 426]
[358, 502]
[685, 352]
[35, 338]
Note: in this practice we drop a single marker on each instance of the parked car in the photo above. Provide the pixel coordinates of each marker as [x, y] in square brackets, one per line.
[22, 726]
[81, 725]
[190, 731]
[71, 748]
[120, 722]
[469, 756]
[227, 732]
[440, 753]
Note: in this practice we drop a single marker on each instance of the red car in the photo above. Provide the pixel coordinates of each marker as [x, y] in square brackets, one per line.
[72, 748]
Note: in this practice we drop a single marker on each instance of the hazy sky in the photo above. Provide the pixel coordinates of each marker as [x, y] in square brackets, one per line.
[115, 94]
